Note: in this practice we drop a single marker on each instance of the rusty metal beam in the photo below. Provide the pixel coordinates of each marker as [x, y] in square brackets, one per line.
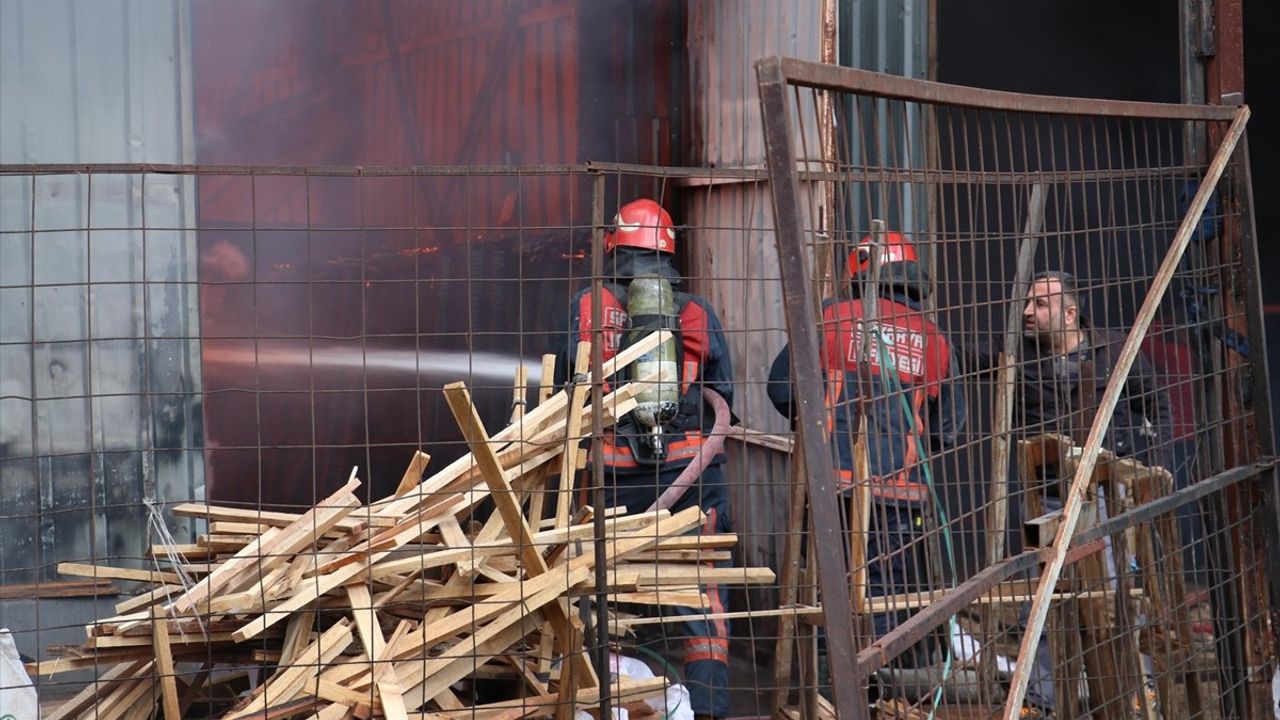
[826, 77]
[807, 373]
[1225, 73]
[1261, 381]
[301, 170]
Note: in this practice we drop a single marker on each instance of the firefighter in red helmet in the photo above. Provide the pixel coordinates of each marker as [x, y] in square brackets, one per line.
[894, 379]
[667, 456]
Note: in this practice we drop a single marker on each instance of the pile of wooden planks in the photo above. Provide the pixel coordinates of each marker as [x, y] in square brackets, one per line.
[385, 609]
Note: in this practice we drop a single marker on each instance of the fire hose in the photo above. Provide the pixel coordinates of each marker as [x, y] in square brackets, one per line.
[712, 446]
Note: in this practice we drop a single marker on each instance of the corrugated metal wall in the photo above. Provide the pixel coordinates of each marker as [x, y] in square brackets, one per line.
[735, 240]
[99, 379]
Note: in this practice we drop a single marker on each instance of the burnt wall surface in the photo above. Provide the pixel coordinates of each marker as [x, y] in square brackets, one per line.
[336, 307]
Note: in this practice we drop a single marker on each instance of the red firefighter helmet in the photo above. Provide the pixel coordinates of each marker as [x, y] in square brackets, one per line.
[897, 249]
[642, 224]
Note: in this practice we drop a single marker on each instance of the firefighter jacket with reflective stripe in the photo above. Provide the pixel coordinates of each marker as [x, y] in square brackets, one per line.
[902, 381]
[704, 361]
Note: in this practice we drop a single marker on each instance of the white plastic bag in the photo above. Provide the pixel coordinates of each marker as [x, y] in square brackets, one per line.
[17, 693]
[674, 706]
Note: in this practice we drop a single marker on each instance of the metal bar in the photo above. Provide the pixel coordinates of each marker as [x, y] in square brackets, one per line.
[309, 170]
[817, 75]
[1174, 500]
[680, 175]
[878, 654]
[807, 374]
[1192, 77]
[1224, 596]
[1261, 381]
[601, 654]
[1110, 397]
[868, 173]
[1229, 541]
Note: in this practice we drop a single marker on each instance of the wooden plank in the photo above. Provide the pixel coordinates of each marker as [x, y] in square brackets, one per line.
[117, 703]
[576, 571]
[519, 394]
[60, 589]
[311, 591]
[236, 529]
[164, 666]
[287, 682]
[547, 382]
[413, 474]
[189, 551]
[1039, 531]
[223, 513]
[429, 677]
[277, 547]
[494, 526]
[556, 404]
[696, 542]
[360, 703]
[107, 642]
[1006, 378]
[403, 532]
[332, 712]
[384, 680]
[106, 572]
[261, 591]
[678, 574]
[505, 499]
[546, 538]
[665, 598]
[297, 635]
[90, 693]
[569, 461]
[146, 599]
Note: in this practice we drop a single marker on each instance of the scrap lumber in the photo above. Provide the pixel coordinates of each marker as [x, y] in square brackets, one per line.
[164, 666]
[509, 509]
[92, 587]
[378, 610]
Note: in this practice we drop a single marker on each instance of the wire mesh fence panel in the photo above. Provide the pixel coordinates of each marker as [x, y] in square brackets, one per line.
[325, 417]
[537, 440]
[1031, 322]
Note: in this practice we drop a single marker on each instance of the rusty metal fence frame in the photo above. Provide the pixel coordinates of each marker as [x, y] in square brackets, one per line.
[779, 80]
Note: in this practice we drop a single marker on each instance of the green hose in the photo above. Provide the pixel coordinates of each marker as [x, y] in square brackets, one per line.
[890, 379]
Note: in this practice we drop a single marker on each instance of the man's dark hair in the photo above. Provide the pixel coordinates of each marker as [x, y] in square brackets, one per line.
[1070, 290]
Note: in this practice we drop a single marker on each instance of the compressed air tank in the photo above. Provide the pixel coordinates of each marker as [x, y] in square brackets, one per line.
[651, 305]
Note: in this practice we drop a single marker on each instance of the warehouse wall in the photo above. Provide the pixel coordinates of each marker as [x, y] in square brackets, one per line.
[99, 381]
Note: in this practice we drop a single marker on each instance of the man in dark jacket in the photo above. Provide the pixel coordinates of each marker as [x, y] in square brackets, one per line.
[639, 468]
[891, 378]
[1063, 369]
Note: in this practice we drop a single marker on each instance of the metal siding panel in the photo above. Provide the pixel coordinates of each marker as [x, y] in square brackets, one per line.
[88, 81]
[735, 219]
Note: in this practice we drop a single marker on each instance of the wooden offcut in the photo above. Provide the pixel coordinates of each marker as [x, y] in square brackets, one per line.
[377, 610]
